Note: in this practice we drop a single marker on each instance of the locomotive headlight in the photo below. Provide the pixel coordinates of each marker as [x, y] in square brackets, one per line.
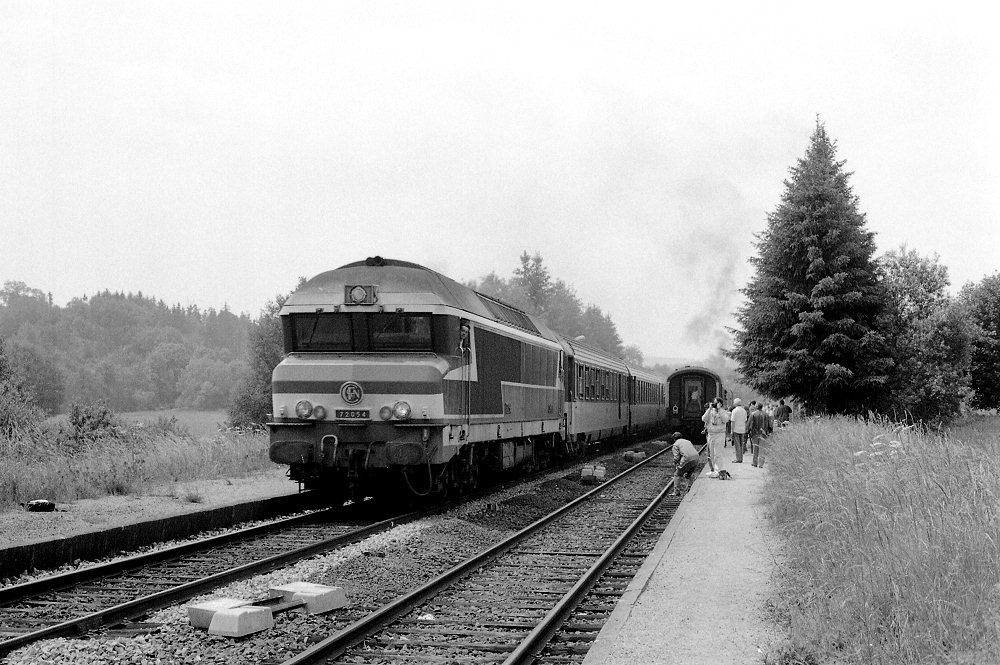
[319, 412]
[385, 412]
[303, 408]
[358, 295]
[401, 410]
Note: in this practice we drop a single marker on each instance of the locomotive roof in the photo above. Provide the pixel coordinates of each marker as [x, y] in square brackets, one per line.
[404, 283]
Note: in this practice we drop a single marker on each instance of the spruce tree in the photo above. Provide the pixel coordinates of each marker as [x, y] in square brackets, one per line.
[810, 323]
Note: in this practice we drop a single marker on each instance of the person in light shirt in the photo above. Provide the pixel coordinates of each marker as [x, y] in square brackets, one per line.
[738, 422]
[716, 418]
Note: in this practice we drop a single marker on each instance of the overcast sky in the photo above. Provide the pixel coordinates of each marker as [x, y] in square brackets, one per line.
[211, 153]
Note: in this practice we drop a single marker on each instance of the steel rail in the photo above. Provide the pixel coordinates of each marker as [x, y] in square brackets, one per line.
[352, 635]
[141, 606]
[18, 592]
[529, 648]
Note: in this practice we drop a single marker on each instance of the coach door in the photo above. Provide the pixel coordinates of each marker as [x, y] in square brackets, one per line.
[694, 396]
[618, 392]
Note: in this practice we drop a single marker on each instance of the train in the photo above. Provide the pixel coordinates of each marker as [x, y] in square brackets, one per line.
[689, 389]
[398, 380]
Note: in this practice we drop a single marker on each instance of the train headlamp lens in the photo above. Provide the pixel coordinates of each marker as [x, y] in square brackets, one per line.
[303, 408]
[401, 410]
[319, 412]
[385, 412]
[358, 295]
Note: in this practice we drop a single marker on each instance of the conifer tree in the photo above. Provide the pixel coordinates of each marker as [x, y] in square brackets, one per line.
[810, 324]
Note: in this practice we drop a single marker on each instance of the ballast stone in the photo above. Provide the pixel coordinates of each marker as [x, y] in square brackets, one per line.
[241, 621]
[317, 597]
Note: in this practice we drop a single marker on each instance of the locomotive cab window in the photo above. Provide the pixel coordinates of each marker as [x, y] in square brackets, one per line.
[321, 332]
[400, 332]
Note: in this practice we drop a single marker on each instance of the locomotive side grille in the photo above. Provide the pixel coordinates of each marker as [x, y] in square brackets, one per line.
[507, 314]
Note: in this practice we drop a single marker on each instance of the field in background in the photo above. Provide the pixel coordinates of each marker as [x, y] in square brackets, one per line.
[891, 540]
[198, 423]
[145, 450]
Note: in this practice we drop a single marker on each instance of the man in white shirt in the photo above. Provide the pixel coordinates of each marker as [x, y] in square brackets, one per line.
[738, 422]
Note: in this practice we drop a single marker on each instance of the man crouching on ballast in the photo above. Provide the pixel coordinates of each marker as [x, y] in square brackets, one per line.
[685, 461]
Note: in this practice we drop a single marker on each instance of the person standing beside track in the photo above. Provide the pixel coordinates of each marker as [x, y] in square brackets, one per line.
[686, 460]
[716, 418]
[783, 414]
[757, 430]
[738, 421]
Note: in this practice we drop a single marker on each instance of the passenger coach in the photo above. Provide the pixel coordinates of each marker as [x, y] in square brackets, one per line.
[689, 389]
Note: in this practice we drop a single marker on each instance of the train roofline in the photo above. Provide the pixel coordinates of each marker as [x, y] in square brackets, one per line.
[694, 368]
[571, 345]
[325, 289]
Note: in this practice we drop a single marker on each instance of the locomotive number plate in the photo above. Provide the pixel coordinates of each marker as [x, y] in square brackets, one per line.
[352, 413]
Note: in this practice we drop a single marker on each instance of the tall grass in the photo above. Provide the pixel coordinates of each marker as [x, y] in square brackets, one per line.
[130, 460]
[892, 539]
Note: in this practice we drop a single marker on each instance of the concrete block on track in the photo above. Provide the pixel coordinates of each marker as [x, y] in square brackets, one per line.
[317, 597]
[200, 614]
[241, 621]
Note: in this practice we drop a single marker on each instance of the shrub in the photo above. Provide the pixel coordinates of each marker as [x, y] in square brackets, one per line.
[86, 424]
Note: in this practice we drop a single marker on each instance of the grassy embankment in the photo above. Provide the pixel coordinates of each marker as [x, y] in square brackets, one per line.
[142, 451]
[891, 541]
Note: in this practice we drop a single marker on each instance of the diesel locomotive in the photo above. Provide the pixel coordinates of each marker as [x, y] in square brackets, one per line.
[397, 379]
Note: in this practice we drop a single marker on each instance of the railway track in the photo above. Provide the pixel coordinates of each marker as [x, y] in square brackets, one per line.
[74, 603]
[540, 595]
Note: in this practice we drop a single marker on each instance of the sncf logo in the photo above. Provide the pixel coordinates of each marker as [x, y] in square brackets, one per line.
[351, 392]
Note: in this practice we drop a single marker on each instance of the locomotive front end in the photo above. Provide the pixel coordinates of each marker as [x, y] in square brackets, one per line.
[358, 402]
[341, 421]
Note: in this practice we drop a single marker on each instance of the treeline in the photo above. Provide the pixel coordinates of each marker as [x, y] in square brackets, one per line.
[532, 289]
[842, 331]
[128, 351]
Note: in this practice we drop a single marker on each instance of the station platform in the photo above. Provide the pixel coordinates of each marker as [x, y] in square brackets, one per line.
[700, 597]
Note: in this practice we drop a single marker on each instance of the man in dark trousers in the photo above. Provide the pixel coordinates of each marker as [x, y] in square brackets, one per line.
[685, 461]
[757, 426]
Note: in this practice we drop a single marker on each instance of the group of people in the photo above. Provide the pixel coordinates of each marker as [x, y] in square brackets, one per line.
[744, 426]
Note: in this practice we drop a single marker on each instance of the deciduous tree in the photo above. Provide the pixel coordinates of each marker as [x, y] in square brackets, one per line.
[930, 337]
[983, 303]
[533, 277]
[252, 398]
